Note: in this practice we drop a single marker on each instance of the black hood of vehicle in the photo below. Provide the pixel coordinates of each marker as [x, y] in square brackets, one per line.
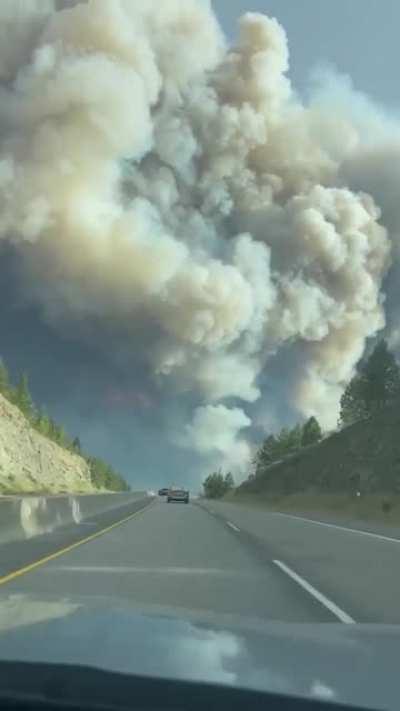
[348, 663]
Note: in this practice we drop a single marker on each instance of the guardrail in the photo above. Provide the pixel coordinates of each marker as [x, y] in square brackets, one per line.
[23, 517]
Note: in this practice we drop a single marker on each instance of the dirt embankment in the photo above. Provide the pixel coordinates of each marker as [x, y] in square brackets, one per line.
[356, 468]
[30, 462]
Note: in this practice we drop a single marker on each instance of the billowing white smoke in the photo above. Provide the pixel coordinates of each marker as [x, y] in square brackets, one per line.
[151, 178]
[215, 430]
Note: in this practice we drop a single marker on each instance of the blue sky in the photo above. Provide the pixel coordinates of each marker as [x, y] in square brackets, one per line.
[359, 37]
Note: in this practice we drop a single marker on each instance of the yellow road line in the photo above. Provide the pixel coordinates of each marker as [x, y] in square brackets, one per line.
[37, 563]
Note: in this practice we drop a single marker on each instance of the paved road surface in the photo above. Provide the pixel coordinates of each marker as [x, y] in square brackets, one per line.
[233, 560]
[359, 571]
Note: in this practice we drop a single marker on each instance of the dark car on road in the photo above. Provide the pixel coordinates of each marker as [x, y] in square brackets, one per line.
[163, 492]
[176, 493]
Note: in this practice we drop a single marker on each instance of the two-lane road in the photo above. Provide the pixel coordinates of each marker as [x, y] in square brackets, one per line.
[189, 559]
[173, 556]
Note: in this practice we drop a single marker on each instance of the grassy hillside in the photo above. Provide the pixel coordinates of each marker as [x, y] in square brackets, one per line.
[364, 457]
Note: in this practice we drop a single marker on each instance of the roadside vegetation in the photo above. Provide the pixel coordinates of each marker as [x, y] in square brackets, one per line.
[217, 485]
[276, 448]
[375, 386]
[103, 476]
[354, 469]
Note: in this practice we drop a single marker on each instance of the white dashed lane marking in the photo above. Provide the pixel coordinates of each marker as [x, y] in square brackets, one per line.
[232, 525]
[331, 606]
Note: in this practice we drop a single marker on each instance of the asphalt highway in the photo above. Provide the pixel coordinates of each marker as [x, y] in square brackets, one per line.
[225, 559]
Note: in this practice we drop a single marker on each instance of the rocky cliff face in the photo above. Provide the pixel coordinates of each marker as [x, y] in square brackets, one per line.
[30, 462]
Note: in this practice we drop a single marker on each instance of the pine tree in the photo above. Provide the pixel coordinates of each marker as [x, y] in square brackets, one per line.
[61, 436]
[289, 441]
[214, 486]
[42, 423]
[352, 403]
[267, 454]
[45, 424]
[76, 445]
[23, 397]
[53, 430]
[4, 379]
[229, 482]
[376, 385]
[380, 377]
[311, 432]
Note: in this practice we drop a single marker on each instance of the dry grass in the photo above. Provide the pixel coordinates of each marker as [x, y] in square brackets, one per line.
[372, 507]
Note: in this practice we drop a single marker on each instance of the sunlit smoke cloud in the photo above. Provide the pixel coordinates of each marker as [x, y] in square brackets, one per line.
[215, 431]
[174, 195]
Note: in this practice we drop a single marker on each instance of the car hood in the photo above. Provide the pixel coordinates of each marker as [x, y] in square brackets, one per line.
[350, 663]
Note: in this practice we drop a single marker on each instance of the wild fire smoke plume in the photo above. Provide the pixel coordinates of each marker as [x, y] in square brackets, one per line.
[176, 197]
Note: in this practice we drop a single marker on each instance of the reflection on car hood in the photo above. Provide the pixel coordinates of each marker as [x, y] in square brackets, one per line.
[351, 663]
